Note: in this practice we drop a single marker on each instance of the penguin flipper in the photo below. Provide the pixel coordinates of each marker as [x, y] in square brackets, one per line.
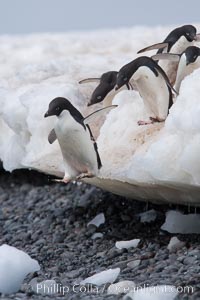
[129, 86]
[167, 56]
[87, 80]
[90, 118]
[152, 47]
[52, 136]
[165, 77]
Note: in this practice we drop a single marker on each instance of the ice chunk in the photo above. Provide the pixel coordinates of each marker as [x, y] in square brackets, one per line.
[122, 287]
[98, 220]
[127, 244]
[104, 277]
[97, 235]
[148, 216]
[46, 287]
[176, 222]
[160, 292]
[14, 266]
[175, 244]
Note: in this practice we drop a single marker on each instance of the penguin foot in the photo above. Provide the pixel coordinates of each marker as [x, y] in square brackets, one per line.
[64, 180]
[153, 120]
[140, 123]
[84, 175]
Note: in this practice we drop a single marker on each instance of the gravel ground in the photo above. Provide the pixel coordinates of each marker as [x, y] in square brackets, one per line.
[49, 222]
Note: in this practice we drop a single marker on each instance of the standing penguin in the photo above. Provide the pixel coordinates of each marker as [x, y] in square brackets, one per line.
[105, 90]
[189, 60]
[152, 84]
[176, 42]
[79, 150]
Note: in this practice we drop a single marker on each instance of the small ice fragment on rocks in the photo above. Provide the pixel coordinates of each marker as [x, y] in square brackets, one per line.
[175, 244]
[122, 287]
[134, 263]
[176, 222]
[108, 276]
[98, 220]
[14, 266]
[127, 244]
[162, 292]
[148, 216]
[46, 287]
[97, 235]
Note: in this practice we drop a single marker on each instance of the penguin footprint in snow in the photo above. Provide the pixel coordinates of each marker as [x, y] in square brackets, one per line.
[79, 149]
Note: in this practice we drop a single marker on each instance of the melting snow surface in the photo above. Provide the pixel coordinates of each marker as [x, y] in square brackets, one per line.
[14, 266]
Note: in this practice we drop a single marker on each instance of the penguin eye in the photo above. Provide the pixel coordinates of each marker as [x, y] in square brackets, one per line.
[57, 108]
[125, 78]
[99, 97]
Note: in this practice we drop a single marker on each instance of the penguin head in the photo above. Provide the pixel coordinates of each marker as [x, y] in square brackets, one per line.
[107, 84]
[124, 76]
[58, 105]
[189, 32]
[192, 53]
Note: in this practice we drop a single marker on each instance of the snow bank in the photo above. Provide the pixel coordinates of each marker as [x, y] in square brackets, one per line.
[14, 266]
[157, 162]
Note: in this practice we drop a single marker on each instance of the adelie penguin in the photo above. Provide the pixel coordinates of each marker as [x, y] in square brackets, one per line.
[176, 42]
[79, 149]
[105, 90]
[153, 85]
[188, 61]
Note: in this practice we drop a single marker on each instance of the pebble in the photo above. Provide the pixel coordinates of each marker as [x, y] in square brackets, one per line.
[134, 263]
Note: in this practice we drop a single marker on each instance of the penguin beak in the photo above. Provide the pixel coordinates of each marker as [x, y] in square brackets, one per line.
[46, 114]
[187, 62]
[197, 37]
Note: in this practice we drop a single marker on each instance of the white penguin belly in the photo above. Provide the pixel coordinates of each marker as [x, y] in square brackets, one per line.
[170, 67]
[154, 92]
[76, 146]
[184, 70]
